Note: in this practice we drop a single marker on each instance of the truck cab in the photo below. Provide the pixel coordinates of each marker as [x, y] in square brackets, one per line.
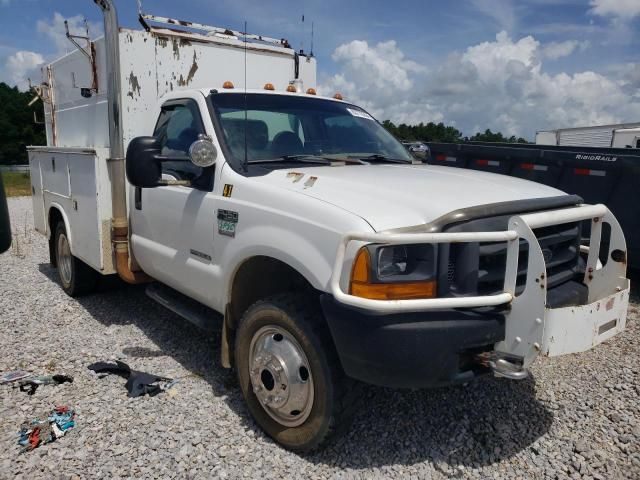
[329, 255]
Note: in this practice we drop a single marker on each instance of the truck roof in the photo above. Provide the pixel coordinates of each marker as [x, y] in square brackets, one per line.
[240, 90]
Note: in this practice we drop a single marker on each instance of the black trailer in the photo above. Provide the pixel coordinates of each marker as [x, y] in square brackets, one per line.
[599, 175]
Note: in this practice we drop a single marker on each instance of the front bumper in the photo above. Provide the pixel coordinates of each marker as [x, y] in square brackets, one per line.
[411, 350]
[425, 342]
[429, 349]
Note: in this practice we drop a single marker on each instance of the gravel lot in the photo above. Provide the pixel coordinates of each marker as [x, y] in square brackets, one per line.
[578, 417]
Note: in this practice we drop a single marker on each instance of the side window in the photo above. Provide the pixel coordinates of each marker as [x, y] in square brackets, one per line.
[178, 126]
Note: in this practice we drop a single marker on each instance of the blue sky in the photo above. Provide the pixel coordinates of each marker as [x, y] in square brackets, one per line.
[516, 66]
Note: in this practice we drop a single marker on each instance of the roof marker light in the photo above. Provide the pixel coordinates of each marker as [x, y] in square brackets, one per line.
[227, 84]
[311, 91]
[269, 86]
[291, 89]
[338, 96]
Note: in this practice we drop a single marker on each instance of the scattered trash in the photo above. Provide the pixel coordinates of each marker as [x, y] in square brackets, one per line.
[31, 385]
[14, 375]
[39, 432]
[138, 383]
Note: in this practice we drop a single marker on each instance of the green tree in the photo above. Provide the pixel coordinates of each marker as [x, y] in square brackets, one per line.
[17, 128]
[489, 136]
[432, 132]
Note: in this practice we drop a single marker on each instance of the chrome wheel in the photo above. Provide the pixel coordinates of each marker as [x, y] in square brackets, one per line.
[280, 376]
[64, 259]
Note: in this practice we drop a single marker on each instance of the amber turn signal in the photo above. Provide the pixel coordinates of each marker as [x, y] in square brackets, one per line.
[361, 286]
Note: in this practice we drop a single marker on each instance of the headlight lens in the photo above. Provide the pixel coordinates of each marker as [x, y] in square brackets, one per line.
[392, 261]
[394, 272]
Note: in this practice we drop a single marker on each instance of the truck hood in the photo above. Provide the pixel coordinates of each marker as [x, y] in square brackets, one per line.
[392, 196]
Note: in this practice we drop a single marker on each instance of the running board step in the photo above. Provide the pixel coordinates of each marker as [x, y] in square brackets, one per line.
[195, 312]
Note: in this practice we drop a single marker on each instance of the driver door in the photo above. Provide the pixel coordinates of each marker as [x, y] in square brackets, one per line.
[172, 226]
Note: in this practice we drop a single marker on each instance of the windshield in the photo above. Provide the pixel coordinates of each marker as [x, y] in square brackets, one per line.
[286, 126]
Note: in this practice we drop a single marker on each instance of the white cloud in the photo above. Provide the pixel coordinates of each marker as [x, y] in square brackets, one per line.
[23, 65]
[379, 78]
[54, 30]
[501, 11]
[555, 50]
[623, 9]
[501, 84]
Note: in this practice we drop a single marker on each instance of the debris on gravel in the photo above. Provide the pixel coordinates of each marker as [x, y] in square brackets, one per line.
[577, 416]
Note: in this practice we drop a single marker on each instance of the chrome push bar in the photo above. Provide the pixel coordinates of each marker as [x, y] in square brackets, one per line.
[519, 226]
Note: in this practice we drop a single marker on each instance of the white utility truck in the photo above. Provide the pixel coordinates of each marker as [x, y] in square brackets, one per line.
[327, 252]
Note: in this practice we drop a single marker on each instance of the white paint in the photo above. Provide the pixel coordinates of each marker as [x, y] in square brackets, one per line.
[152, 66]
[616, 135]
[79, 180]
[576, 329]
[407, 195]
[303, 223]
[626, 137]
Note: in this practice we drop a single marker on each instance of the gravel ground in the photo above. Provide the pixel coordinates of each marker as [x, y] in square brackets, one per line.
[577, 417]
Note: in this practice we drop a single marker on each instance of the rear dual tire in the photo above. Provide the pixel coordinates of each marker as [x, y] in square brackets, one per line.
[76, 277]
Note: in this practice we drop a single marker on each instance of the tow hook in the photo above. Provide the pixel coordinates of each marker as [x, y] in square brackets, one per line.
[501, 367]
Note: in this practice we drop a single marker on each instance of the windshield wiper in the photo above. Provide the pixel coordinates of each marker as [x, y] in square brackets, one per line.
[308, 158]
[296, 158]
[377, 157]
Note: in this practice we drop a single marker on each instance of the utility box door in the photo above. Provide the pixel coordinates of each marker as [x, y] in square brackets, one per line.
[67, 180]
[83, 214]
[37, 197]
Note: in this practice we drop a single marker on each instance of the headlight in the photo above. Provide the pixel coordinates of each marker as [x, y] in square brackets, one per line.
[392, 261]
[394, 272]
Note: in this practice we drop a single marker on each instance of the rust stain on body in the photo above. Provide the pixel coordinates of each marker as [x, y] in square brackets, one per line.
[134, 85]
[192, 71]
[176, 48]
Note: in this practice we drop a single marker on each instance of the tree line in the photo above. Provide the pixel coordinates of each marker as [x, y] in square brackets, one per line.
[18, 129]
[439, 132]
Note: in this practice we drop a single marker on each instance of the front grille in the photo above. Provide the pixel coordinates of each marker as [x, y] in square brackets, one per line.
[451, 272]
[480, 268]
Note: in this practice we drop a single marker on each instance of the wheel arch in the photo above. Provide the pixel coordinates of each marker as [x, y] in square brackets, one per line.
[247, 285]
[56, 214]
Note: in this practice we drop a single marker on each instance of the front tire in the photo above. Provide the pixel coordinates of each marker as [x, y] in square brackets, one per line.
[76, 277]
[289, 372]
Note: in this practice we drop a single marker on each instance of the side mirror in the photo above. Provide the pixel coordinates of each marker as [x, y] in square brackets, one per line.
[420, 155]
[203, 153]
[143, 163]
[5, 224]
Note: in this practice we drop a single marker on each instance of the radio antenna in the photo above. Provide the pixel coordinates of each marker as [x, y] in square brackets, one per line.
[311, 52]
[246, 161]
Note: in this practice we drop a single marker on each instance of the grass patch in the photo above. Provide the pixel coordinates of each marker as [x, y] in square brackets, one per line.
[17, 184]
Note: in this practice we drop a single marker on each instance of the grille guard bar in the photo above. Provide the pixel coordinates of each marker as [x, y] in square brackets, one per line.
[519, 227]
